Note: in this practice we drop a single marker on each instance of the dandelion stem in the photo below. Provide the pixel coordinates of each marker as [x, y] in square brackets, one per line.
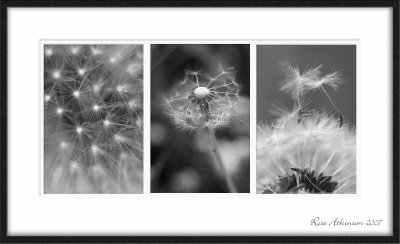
[197, 80]
[330, 99]
[298, 98]
[215, 78]
[227, 178]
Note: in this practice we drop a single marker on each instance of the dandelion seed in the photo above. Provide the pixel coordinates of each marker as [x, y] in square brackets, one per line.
[74, 165]
[60, 110]
[139, 123]
[76, 93]
[95, 149]
[132, 104]
[96, 88]
[333, 80]
[295, 81]
[81, 71]
[75, 50]
[63, 144]
[106, 123]
[96, 51]
[122, 88]
[96, 107]
[199, 101]
[56, 74]
[298, 84]
[113, 59]
[47, 98]
[48, 51]
[283, 112]
[119, 138]
[134, 68]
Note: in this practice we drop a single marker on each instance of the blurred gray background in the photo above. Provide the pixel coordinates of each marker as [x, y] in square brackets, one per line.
[337, 57]
[182, 162]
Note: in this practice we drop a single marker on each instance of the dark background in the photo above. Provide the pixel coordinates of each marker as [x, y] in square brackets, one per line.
[182, 161]
[269, 76]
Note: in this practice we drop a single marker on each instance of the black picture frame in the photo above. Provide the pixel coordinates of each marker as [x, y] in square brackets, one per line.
[5, 238]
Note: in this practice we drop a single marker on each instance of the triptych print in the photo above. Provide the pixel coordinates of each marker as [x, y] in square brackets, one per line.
[199, 140]
[306, 114]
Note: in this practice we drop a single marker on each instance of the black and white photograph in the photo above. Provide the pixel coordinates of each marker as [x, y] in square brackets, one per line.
[93, 119]
[200, 118]
[195, 121]
[306, 119]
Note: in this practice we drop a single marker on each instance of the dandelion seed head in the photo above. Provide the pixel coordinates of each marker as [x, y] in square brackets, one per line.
[316, 144]
[87, 74]
[201, 101]
[306, 151]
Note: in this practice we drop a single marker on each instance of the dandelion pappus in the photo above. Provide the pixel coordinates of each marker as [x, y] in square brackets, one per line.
[202, 101]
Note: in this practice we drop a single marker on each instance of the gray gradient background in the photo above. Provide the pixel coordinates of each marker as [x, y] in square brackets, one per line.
[269, 76]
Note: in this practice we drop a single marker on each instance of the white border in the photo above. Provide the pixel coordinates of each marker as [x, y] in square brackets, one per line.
[211, 214]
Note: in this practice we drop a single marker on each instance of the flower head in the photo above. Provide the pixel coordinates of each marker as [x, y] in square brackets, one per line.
[202, 101]
[311, 156]
[306, 151]
[93, 143]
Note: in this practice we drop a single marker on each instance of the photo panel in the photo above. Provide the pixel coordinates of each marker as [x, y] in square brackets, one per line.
[93, 119]
[306, 119]
[200, 118]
